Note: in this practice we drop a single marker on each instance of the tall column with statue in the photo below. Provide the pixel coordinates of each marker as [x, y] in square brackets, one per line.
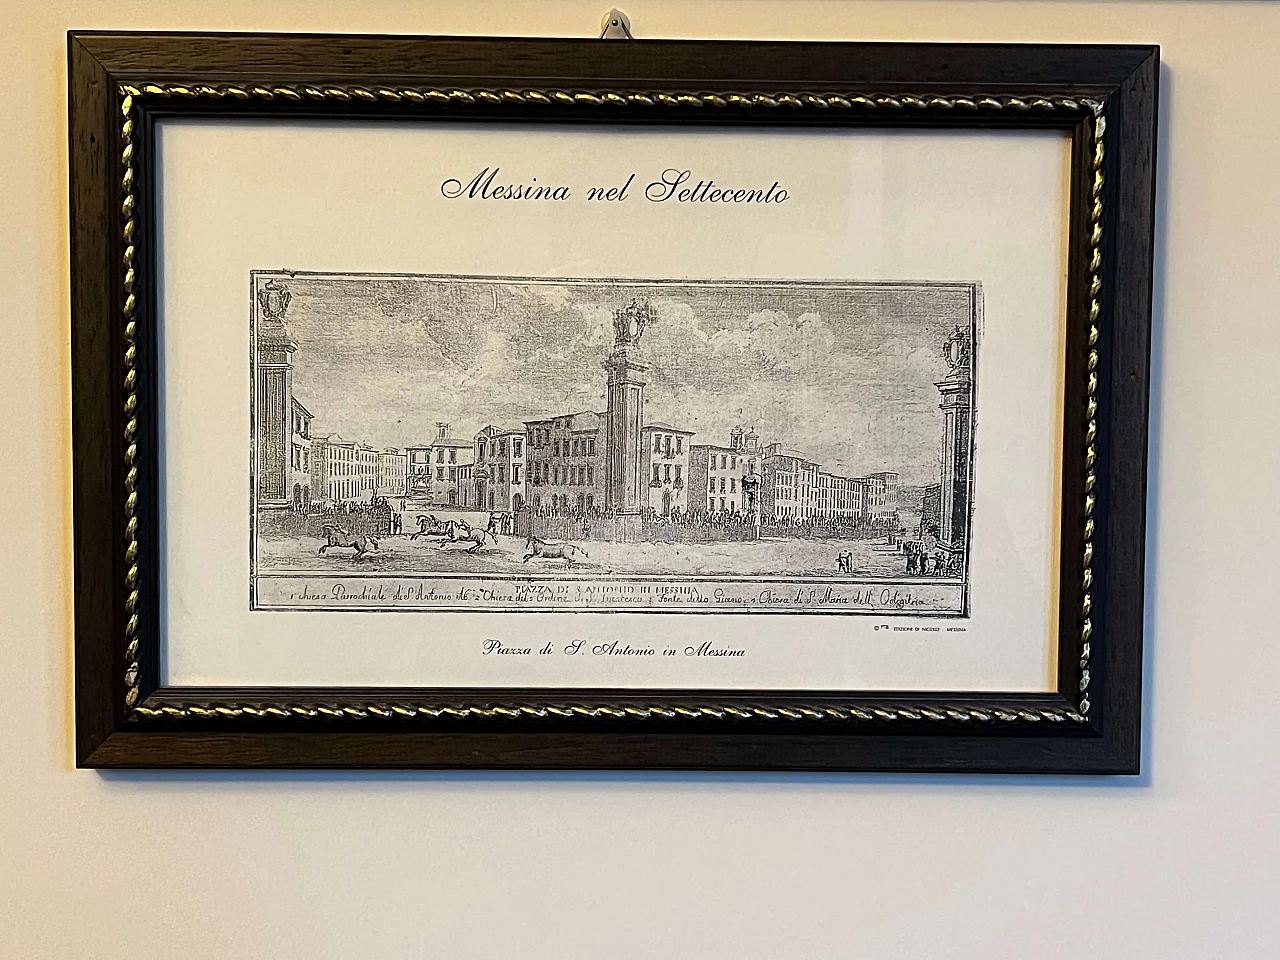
[957, 411]
[625, 488]
[274, 392]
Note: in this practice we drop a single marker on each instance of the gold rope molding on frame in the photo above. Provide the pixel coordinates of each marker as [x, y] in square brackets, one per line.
[133, 93]
[300, 92]
[619, 711]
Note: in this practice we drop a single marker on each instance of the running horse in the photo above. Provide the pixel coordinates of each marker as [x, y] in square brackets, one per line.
[458, 531]
[336, 536]
[552, 550]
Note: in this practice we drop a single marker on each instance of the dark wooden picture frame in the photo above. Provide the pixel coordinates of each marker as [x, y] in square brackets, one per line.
[121, 84]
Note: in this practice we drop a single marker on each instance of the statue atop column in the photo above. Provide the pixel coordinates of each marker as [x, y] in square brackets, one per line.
[629, 322]
[956, 352]
[625, 490]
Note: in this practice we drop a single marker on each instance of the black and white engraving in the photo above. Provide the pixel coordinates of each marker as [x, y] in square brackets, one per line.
[499, 443]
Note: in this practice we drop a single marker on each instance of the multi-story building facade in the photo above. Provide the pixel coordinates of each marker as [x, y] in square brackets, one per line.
[788, 479]
[343, 469]
[794, 487]
[393, 472]
[664, 459]
[716, 473]
[499, 469]
[566, 461]
[299, 453]
[434, 468]
[466, 485]
[838, 498]
[882, 494]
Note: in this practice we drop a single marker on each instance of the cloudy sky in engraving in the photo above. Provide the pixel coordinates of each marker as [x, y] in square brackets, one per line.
[844, 374]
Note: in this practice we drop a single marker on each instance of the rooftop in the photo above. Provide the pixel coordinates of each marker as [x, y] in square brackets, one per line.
[659, 425]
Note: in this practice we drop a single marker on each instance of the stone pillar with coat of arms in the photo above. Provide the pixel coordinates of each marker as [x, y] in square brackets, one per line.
[273, 394]
[625, 488]
[957, 401]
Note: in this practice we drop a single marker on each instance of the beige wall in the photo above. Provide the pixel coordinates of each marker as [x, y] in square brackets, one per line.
[1179, 863]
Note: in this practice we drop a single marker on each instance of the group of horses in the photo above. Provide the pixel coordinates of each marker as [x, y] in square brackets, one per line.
[450, 532]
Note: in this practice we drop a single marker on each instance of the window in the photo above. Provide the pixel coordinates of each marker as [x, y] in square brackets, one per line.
[515, 473]
[590, 479]
[516, 445]
[666, 445]
[677, 473]
[722, 486]
[655, 473]
[555, 448]
[657, 443]
[591, 446]
[666, 472]
[439, 473]
[556, 475]
[711, 503]
[453, 456]
[502, 473]
[733, 485]
[724, 462]
[722, 503]
[453, 473]
[502, 447]
[733, 463]
[591, 501]
[679, 443]
[440, 455]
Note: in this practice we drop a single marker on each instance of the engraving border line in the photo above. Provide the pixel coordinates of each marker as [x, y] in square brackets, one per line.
[257, 275]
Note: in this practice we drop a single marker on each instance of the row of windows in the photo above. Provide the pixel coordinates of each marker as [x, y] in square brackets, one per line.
[500, 473]
[346, 469]
[561, 501]
[574, 447]
[453, 473]
[345, 489]
[574, 476]
[498, 448]
[300, 458]
[665, 472]
[730, 462]
[542, 435]
[662, 443]
[423, 456]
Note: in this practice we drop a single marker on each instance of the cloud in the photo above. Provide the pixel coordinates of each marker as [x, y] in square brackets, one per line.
[845, 373]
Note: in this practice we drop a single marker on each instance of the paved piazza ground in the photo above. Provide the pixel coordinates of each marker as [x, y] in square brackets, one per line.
[398, 554]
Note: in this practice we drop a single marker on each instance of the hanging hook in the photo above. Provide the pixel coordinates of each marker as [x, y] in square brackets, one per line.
[616, 25]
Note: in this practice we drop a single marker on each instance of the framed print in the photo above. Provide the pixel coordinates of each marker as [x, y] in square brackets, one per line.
[446, 402]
